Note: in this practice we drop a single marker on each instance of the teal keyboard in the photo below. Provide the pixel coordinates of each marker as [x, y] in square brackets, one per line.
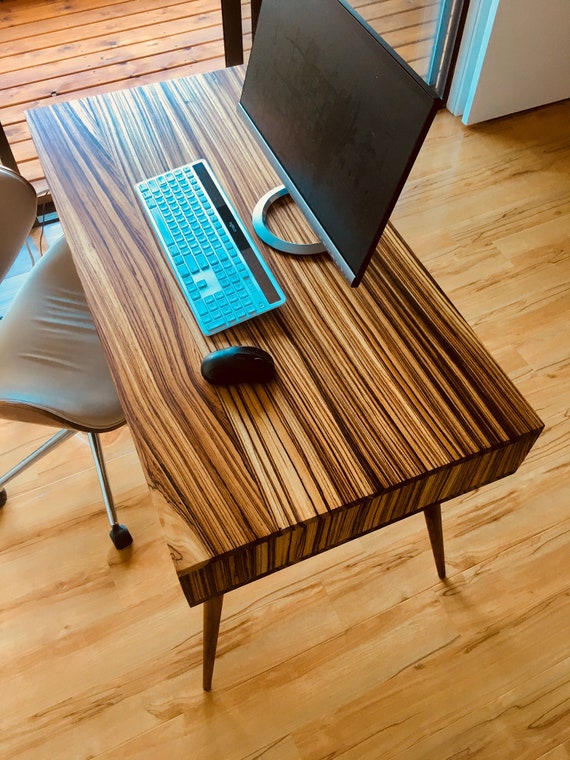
[220, 270]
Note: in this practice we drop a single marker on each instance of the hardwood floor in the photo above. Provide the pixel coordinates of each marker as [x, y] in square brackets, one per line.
[361, 653]
[65, 49]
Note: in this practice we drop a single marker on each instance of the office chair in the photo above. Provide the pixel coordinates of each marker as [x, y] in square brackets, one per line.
[52, 367]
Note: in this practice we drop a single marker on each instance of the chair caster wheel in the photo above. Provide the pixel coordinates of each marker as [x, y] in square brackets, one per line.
[120, 536]
[3, 497]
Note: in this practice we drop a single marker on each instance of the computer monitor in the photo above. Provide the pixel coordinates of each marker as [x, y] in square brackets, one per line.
[340, 116]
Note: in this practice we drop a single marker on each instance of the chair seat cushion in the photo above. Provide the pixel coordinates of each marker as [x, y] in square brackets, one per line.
[52, 367]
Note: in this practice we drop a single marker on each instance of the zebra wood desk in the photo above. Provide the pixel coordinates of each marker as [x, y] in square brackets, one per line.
[384, 404]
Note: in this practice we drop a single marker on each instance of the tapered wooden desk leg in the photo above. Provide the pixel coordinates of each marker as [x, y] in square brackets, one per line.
[212, 615]
[435, 530]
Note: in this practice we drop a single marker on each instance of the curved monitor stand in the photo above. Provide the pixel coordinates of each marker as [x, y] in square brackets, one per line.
[260, 226]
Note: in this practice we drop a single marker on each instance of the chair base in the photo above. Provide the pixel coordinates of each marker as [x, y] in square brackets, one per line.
[120, 536]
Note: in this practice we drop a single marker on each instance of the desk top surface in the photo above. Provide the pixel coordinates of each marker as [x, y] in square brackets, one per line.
[378, 388]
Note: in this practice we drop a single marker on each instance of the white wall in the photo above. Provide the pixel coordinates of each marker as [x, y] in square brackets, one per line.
[515, 55]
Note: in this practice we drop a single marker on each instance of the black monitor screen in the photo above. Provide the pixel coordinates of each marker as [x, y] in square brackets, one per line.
[340, 114]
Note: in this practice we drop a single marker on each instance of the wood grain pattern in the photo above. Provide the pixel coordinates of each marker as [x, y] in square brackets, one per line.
[359, 652]
[385, 402]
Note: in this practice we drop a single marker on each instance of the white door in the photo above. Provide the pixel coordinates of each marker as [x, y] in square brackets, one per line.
[515, 55]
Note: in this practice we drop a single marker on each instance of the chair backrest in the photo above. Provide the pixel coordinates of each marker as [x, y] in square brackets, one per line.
[18, 208]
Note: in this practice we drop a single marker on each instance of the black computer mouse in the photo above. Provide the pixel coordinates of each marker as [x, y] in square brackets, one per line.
[238, 364]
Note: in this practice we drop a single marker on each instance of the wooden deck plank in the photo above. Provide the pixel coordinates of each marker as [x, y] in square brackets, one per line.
[61, 15]
[101, 34]
[120, 64]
